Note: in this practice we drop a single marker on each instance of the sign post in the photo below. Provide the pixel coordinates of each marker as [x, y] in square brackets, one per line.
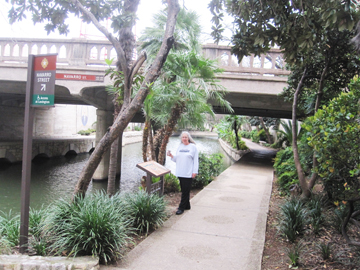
[153, 168]
[40, 89]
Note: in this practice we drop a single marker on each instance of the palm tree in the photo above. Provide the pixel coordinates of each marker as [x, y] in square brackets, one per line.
[186, 85]
[188, 82]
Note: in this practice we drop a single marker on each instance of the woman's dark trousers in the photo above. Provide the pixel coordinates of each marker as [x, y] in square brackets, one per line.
[185, 184]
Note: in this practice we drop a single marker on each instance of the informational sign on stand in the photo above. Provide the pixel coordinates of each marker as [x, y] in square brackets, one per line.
[44, 80]
[40, 89]
[153, 168]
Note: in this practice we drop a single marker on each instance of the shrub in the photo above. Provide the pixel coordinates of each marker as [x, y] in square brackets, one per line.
[146, 211]
[209, 167]
[255, 136]
[339, 215]
[137, 128]
[245, 134]
[10, 228]
[292, 218]
[5, 245]
[171, 184]
[95, 225]
[285, 169]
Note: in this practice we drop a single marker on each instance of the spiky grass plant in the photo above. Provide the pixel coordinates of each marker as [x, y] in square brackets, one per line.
[337, 219]
[5, 245]
[294, 254]
[147, 211]
[292, 218]
[325, 250]
[315, 214]
[10, 228]
[94, 225]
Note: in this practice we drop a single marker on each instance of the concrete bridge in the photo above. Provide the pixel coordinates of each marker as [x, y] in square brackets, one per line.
[11, 151]
[253, 85]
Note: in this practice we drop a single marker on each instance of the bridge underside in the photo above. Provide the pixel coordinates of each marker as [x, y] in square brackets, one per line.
[12, 93]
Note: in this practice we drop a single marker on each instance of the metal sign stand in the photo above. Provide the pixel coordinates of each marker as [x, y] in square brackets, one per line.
[30, 102]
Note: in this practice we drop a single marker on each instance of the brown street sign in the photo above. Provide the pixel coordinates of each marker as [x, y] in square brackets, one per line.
[44, 80]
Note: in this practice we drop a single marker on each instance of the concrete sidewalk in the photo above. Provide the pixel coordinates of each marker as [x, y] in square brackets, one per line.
[225, 228]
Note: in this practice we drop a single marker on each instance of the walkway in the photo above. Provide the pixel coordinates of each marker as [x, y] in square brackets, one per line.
[225, 228]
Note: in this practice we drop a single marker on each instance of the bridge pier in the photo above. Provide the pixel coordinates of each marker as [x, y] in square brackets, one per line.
[103, 122]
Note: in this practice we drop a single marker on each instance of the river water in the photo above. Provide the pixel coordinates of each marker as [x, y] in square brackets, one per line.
[56, 178]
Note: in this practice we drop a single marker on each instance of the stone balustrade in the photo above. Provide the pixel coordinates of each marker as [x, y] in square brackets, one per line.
[83, 52]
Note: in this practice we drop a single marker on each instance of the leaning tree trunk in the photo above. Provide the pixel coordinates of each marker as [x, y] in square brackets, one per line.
[236, 135]
[145, 138]
[113, 162]
[320, 94]
[268, 136]
[130, 107]
[175, 115]
[300, 172]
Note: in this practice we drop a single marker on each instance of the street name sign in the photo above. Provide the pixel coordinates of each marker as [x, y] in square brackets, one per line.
[44, 80]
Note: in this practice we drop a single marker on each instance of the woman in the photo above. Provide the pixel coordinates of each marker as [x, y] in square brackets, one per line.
[187, 166]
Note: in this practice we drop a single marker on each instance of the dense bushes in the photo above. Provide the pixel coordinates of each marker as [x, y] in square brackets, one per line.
[95, 225]
[210, 166]
[285, 170]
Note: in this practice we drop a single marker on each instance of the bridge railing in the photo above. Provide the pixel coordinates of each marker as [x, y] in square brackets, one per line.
[83, 52]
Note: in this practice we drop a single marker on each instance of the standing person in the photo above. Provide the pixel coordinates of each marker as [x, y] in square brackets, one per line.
[187, 166]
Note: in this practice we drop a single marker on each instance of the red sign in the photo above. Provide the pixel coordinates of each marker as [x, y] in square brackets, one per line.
[79, 77]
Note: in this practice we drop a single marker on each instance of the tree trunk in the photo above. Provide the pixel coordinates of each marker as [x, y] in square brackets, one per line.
[236, 136]
[129, 109]
[145, 140]
[268, 136]
[300, 172]
[314, 175]
[176, 112]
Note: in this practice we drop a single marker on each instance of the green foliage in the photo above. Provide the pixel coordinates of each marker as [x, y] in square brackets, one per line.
[225, 130]
[285, 170]
[255, 136]
[146, 211]
[95, 225]
[10, 228]
[86, 132]
[54, 14]
[210, 166]
[171, 184]
[315, 213]
[5, 245]
[333, 132]
[245, 134]
[137, 128]
[292, 218]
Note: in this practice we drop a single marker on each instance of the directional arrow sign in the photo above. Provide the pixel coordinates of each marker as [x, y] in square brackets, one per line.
[44, 80]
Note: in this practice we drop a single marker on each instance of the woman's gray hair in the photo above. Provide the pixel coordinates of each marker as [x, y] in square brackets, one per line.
[191, 140]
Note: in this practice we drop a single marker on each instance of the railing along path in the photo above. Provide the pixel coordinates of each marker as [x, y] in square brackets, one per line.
[92, 53]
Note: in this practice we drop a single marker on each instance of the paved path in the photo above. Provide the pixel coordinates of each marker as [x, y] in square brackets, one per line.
[225, 228]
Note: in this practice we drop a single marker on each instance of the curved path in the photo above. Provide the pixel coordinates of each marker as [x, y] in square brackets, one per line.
[225, 228]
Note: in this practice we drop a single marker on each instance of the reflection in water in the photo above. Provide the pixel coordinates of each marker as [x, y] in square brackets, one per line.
[56, 178]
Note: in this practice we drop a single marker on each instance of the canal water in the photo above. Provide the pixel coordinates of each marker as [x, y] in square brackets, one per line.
[56, 178]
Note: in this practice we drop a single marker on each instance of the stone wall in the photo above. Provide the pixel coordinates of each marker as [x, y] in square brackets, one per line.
[24, 262]
[231, 152]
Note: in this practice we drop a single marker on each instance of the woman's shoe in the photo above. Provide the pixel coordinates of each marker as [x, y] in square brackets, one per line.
[179, 211]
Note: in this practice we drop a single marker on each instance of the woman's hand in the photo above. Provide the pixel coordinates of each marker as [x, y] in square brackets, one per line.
[169, 154]
[193, 175]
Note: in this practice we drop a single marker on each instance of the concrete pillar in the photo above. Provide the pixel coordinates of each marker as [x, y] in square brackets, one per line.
[103, 122]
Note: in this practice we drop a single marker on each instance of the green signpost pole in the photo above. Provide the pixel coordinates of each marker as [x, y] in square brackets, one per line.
[40, 89]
